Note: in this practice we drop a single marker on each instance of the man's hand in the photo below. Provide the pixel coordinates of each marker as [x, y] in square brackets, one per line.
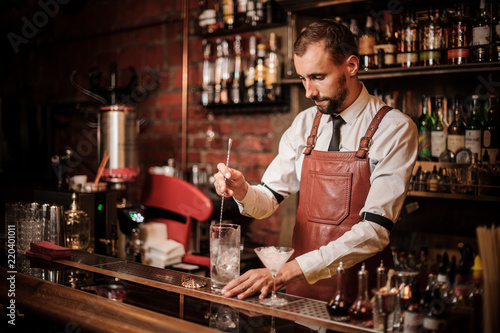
[230, 182]
[260, 280]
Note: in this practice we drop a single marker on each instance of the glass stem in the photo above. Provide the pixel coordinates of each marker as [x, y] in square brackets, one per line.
[274, 287]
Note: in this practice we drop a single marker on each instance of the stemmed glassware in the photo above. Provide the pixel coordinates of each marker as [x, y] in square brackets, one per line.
[274, 258]
[385, 301]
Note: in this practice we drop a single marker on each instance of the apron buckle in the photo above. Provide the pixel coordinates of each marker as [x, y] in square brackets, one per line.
[367, 145]
[313, 143]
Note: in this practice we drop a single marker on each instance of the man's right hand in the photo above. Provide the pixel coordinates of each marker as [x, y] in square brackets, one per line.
[230, 182]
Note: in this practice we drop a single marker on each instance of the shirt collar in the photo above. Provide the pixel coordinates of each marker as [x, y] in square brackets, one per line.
[353, 110]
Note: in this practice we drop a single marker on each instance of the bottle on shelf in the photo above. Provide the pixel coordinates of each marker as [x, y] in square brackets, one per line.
[438, 131]
[273, 66]
[339, 305]
[250, 70]
[413, 318]
[361, 311]
[424, 124]
[473, 129]
[481, 34]
[433, 181]
[456, 130]
[436, 315]
[408, 44]
[366, 45]
[387, 45]
[208, 76]
[432, 40]
[473, 173]
[219, 64]
[240, 14]
[228, 14]
[255, 12]
[260, 73]
[459, 38]
[236, 91]
[496, 33]
[491, 131]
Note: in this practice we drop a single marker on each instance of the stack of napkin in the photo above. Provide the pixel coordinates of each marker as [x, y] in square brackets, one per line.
[48, 251]
[159, 251]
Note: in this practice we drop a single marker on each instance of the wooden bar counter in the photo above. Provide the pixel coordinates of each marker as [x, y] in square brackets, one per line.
[94, 293]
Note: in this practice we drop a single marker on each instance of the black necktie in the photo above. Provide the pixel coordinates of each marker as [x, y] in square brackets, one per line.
[338, 121]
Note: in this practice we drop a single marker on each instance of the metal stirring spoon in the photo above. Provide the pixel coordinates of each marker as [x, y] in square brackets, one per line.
[230, 142]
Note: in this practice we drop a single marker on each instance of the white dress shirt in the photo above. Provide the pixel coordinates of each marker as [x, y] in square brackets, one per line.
[391, 157]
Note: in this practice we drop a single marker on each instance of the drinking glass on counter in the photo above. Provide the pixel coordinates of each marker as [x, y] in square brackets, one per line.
[224, 254]
[274, 258]
[29, 224]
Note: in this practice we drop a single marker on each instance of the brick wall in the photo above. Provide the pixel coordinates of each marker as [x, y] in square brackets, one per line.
[145, 35]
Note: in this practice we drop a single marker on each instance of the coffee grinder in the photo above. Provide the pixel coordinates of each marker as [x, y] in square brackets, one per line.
[118, 128]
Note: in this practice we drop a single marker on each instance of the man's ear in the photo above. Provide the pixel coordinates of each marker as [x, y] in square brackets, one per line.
[352, 65]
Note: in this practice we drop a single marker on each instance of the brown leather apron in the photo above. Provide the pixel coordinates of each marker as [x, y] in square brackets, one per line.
[333, 189]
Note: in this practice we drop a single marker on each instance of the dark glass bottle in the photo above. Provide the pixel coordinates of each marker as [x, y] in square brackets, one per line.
[424, 124]
[459, 38]
[456, 130]
[438, 131]
[338, 306]
[491, 131]
[473, 129]
[481, 34]
[361, 311]
[413, 318]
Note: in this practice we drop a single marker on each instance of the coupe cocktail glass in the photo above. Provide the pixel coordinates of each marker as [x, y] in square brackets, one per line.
[274, 258]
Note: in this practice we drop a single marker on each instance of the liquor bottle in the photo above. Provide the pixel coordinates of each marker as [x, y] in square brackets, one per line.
[208, 76]
[367, 43]
[255, 12]
[491, 131]
[481, 34]
[273, 66]
[473, 129]
[425, 124]
[250, 71]
[473, 172]
[436, 317]
[432, 40]
[413, 318]
[408, 44]
[475, 298]
[219, 64]
[236, 86]
[459, 38]
[361, 311]
[226, 72]
[228, 14]
[438, 131]
[433, 181]
[496, 30]
[240, 15]
[456, 130]
[386, 47]
[260, 73]
[339, 305]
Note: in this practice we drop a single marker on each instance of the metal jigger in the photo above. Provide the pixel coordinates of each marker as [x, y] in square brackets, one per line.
[385, 301]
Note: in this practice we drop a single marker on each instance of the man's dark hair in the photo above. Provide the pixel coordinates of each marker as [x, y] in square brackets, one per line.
[340, 43]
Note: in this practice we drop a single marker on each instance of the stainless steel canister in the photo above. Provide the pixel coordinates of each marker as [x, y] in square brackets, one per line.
[119, 128]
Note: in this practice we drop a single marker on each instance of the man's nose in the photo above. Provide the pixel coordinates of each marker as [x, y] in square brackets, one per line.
[311, 90]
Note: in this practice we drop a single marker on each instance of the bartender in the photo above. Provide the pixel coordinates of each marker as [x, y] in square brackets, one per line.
[350, 155]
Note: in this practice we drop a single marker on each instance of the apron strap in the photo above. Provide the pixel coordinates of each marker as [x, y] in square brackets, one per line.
[311, 139]
[366, 141]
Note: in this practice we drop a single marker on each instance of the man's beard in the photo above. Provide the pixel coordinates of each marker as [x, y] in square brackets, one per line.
[335, 102]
